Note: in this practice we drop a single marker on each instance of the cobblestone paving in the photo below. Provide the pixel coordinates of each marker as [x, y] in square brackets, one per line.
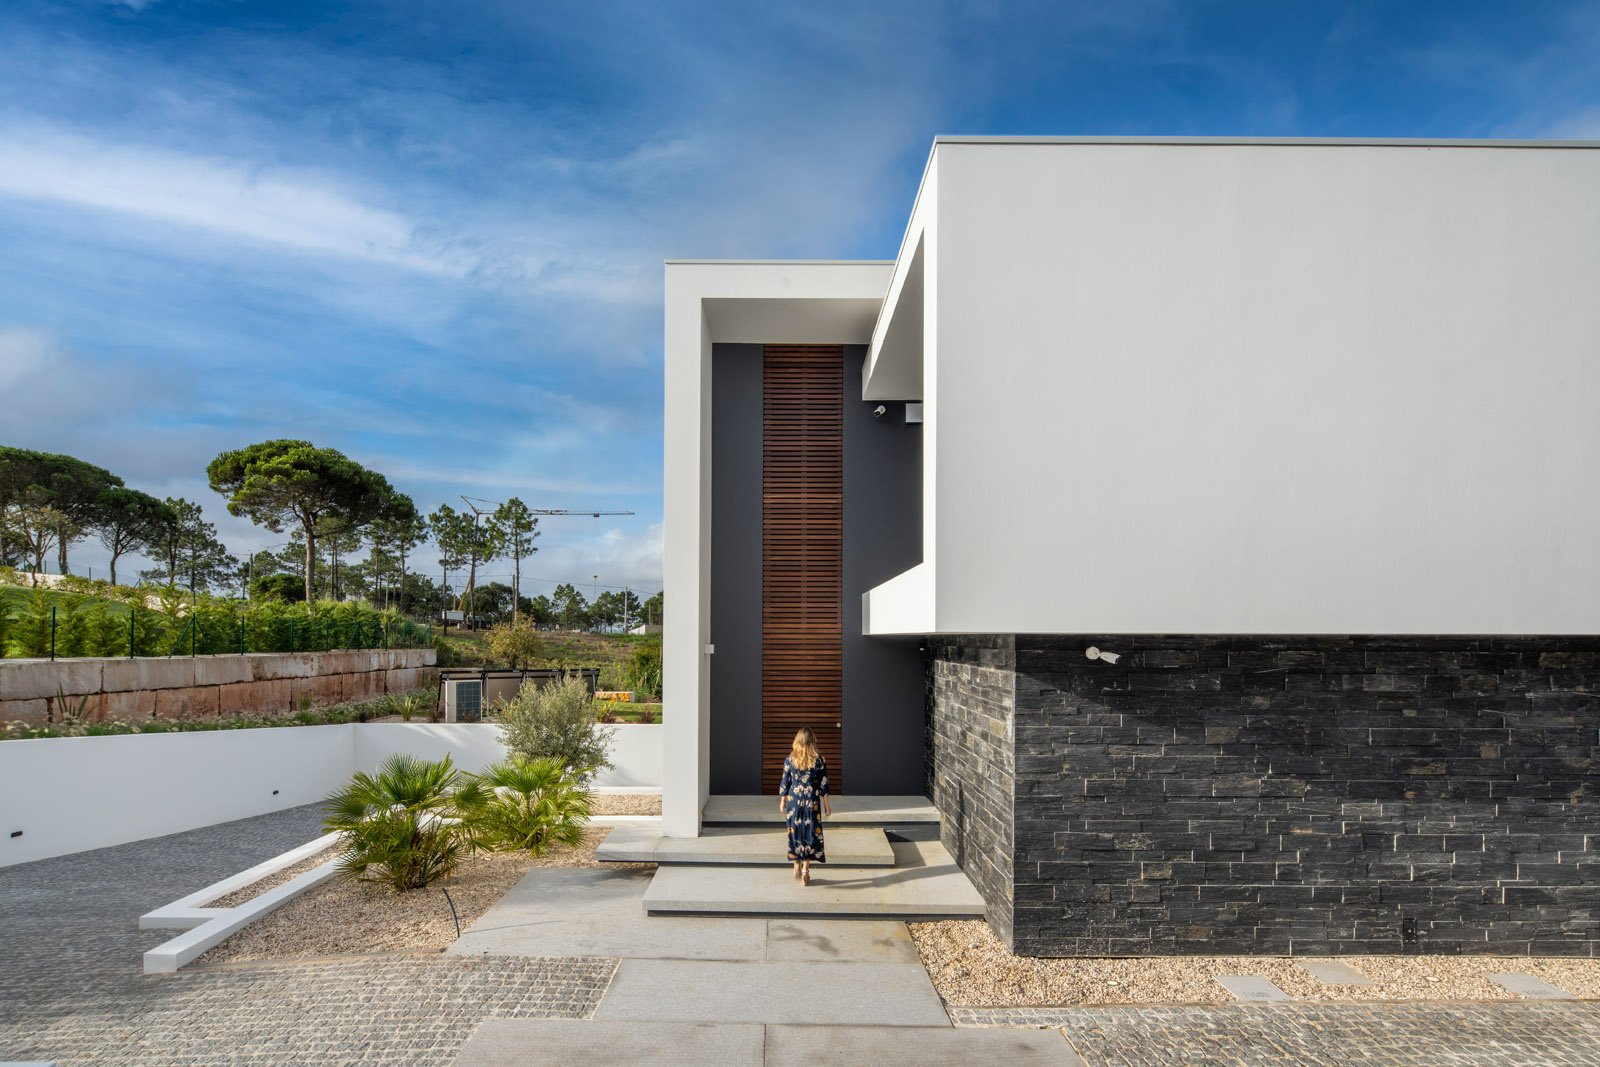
[1482, 1034]
[71, 987]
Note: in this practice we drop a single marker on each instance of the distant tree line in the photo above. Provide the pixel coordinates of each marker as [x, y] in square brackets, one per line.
[330, 506]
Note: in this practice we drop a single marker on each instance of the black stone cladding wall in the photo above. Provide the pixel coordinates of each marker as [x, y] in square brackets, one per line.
[971, 684]
[1306, 796]
[1321, 795]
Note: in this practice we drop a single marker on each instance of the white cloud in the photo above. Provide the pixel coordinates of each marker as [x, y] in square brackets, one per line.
[1582, 125]
[292, 209]
[620, 558]
[24, 354]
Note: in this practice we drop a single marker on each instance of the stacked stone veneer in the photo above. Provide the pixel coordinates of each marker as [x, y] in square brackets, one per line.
[972, 696]
[34, 690]
[1317, 795]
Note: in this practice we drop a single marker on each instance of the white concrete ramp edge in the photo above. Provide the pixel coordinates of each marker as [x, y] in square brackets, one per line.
[209, 927]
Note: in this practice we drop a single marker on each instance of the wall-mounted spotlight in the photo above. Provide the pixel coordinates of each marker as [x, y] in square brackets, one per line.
[878, 411]
[1105, 657]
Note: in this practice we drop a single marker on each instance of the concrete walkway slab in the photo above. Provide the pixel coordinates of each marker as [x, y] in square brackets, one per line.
[839, 941]
[924, 882]
[847, 811]
[571, 1043]
[582, 1043]
[1526, 985]
[846, 994]
[848, 846]
[850, 1046]
[1334, 972]
[1252, 988]
[598, 912]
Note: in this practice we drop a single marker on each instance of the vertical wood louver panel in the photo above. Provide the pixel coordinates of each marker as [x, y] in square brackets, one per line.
[802, 553]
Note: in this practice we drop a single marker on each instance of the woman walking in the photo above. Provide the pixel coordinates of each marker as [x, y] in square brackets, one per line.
[803, 800]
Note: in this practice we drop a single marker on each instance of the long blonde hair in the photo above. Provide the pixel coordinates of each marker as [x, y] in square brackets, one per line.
[803, 753]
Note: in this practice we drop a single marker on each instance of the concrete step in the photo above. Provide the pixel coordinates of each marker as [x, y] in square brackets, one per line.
[597, 1043]
[924, 883]
[848, 846]
[726, 810]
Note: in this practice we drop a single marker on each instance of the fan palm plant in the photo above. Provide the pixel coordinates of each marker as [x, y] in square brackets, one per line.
[396, 824]
[526, 805]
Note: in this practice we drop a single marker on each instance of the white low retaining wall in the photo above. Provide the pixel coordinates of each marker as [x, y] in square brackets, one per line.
[69, 794]
[634, 752]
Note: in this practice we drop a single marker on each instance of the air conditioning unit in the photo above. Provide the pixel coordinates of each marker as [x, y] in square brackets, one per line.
[463, 700]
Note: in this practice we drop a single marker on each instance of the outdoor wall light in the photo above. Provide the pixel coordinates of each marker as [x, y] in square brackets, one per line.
[878, 411]
[1105, 657]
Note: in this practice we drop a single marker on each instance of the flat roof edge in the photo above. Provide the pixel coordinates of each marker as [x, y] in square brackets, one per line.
[779, 262]
[1376, 142]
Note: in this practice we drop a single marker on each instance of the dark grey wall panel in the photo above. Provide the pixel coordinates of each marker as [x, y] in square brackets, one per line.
[883, 677]
[735, 697]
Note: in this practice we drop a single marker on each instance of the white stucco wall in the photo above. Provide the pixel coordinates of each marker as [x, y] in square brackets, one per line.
[635, 750]
[70, 794]
[1264, 389]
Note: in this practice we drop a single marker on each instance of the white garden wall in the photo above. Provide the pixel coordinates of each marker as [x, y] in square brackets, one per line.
[75, 793]
[635, 751]
[69, 794]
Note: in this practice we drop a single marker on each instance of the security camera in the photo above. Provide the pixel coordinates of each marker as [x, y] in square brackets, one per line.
[878, 411]
[1105, 657]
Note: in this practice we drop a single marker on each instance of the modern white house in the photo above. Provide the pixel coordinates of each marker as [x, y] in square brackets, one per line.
[1211, 528]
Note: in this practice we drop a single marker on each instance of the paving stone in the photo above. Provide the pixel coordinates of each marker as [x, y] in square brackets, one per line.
[880, 994]
[925, 881]
[1334, 972]
[850, 1046]
[839, 941]
[848, 846]
[539, 1042]
[1526, 985]
[847, 811]
[1251, 987]
[71, 990]
[1508, 1033]
[598, 912]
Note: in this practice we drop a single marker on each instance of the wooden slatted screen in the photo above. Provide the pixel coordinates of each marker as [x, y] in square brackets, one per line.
[802, 554]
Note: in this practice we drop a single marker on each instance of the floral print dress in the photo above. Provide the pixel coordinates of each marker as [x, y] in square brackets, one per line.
[805, 790]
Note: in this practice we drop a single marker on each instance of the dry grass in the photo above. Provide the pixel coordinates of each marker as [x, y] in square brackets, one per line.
[344, 916]
[971, 967]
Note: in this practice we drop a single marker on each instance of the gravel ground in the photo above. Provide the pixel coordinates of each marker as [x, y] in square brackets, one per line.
[271, 881]
[626, 804]
[345, 917]
[971, 968]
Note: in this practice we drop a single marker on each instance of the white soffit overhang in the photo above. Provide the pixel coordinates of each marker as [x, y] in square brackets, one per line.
[786, 301]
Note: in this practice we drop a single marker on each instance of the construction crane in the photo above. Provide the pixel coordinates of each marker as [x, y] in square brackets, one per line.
[516, 595]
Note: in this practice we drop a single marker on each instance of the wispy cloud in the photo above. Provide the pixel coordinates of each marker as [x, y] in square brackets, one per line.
[433, 238]
[297, 211]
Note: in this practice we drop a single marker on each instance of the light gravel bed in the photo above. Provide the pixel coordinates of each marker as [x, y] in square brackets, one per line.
[626, 804]
[347, 917]
[971, 968]
[272, 881]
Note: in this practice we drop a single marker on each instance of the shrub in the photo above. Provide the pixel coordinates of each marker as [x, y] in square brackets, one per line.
[524, 804]
[643, 673]
[515, 646]
[395, 823]
[557, 721]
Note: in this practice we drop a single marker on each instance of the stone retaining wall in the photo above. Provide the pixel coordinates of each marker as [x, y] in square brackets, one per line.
[36, 690]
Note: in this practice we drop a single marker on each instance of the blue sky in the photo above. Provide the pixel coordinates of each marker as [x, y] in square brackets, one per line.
[430, 235]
